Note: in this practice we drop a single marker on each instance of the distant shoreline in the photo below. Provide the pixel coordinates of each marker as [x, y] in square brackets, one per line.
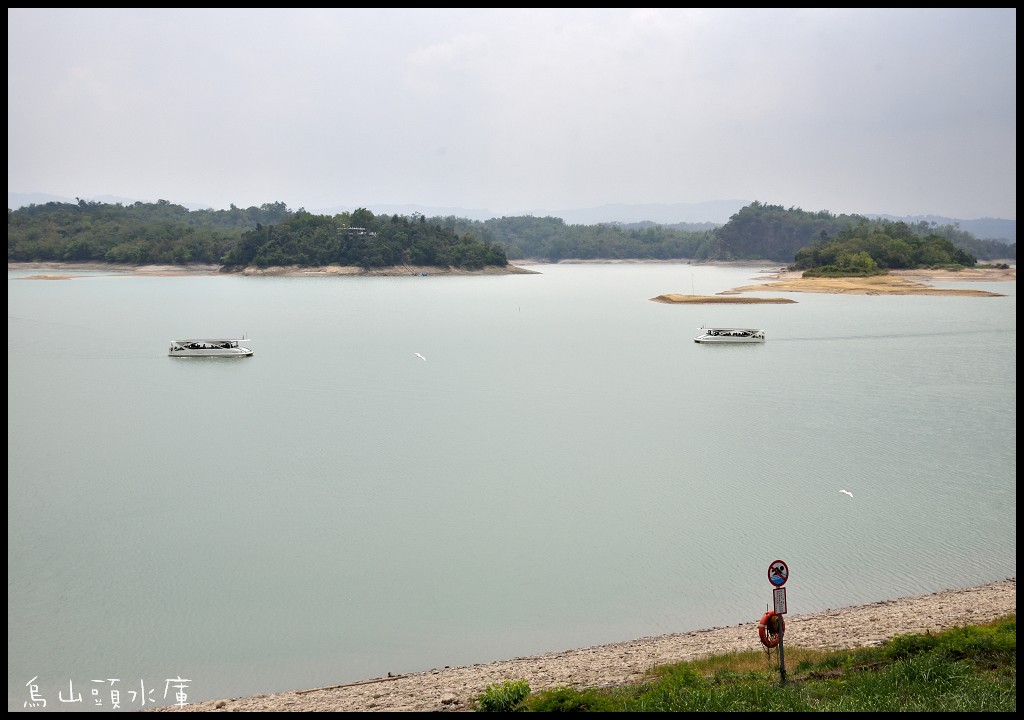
[285, 270]
[897, 282]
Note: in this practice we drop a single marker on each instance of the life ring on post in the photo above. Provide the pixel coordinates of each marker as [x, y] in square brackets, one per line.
[770, 628]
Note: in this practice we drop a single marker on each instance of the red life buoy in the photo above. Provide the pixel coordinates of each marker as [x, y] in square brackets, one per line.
[770, 628]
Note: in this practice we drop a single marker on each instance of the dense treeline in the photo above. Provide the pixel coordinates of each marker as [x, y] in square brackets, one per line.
[142, 233]
[871, 248]
[164, 233]
[756, 232]
[776, 233]
[363, 240]
[550, 239]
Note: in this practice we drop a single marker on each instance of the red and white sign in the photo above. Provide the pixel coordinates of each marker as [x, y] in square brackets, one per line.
[778, 573]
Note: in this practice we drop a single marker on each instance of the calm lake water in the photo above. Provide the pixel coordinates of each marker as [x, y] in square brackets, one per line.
[566, 468]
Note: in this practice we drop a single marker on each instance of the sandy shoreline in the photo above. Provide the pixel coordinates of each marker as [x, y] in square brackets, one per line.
[452, 689]
[898, 282]
[52, 270]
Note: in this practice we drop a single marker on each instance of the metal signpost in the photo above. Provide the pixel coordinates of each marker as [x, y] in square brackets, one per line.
[778, 574]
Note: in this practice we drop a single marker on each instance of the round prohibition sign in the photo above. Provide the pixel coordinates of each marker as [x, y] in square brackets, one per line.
[778, 573]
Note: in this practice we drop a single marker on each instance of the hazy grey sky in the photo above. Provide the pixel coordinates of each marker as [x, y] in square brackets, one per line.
[899, 111]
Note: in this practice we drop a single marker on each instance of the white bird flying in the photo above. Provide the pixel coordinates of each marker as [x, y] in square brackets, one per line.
[419, 356]
[846, 492]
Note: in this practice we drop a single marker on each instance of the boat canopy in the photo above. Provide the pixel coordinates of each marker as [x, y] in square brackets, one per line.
[732, 331]
[213, 341]
[209, 347]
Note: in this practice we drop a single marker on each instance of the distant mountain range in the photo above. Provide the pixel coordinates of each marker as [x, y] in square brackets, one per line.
[716, 213]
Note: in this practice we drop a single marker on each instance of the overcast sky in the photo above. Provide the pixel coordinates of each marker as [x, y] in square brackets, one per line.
[896, 111]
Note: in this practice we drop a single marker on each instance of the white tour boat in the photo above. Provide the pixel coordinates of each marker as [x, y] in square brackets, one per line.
[729, 335]
[209, 347]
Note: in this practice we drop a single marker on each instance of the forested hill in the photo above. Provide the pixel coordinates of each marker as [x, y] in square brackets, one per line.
[163, 233]
[272, 234]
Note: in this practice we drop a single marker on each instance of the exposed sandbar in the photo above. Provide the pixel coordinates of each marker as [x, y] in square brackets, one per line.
[897, 282]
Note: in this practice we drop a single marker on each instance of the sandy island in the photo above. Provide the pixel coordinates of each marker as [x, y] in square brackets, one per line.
[453, 689]
[897, 282]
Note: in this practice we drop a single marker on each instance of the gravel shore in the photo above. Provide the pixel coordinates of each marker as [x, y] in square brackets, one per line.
[453, 689]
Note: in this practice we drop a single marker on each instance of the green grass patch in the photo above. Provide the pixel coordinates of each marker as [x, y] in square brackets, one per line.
[965, 669]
